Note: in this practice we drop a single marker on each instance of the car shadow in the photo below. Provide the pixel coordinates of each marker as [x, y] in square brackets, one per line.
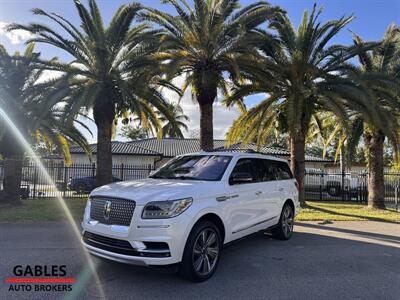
[260, 263]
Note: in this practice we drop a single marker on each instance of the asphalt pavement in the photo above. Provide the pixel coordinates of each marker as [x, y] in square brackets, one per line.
[342, 260]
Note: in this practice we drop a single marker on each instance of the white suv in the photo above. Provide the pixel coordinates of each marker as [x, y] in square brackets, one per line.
[188, 209]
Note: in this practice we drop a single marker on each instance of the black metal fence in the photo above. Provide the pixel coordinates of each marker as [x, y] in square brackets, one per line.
[76, 180]
[349, 186]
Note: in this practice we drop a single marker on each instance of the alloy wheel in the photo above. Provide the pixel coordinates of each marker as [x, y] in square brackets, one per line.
[205, 252]
[287, 221]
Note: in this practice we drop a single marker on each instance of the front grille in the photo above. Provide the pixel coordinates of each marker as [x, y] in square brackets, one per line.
[124, 247]
[120, 210]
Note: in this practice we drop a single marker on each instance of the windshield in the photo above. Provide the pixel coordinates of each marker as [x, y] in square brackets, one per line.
[194, 167]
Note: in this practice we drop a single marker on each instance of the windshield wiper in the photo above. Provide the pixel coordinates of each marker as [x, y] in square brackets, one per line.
[158, 177]
[175, 177]
[184, 178]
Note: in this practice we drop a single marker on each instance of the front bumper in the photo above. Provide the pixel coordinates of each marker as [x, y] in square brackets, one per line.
[126, 259]
[171, 234]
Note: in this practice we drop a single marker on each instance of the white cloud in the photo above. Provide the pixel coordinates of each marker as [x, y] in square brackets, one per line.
[16, 36]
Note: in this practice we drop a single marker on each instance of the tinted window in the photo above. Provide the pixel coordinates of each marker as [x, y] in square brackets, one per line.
[283, 171]
[194, 167]
[261, 169]
[270, 170]
[245, 165]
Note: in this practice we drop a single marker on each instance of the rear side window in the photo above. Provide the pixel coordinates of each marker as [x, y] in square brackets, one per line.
[263, 170]
[259, 169]
[283, 171]
[270, 170]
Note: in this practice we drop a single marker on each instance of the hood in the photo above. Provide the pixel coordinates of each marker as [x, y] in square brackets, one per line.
[145, 190]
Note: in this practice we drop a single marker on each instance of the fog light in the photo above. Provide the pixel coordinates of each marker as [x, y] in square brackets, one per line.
[138, 245]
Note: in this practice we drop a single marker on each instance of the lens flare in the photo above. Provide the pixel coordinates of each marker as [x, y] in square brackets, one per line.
[60, 201]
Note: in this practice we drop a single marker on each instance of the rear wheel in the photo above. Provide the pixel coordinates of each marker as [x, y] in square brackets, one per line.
[81, 188]
[202, 252]
[334, 190]
[284, 229]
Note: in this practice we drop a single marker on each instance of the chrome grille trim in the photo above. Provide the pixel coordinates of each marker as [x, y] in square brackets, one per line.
[121, 211]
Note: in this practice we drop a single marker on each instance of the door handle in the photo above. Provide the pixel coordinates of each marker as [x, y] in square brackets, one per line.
[222, 198]
[280, 189]
[258, 193]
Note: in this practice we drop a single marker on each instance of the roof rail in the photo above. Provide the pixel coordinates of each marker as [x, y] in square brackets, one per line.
[238, 150]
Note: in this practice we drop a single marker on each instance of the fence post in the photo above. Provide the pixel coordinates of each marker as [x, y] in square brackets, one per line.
[396, 195]
[321, 180]
[93, 170]
[122, 172]
[65, 180]
[343, 186]
[34, 179]
[365, 189]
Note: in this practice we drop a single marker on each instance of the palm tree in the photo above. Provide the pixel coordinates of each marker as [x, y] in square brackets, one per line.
[174, 130]
[379, 73]
[111, 71]
[30, 105]
[134, 133]
[301, 75]
[203, 43]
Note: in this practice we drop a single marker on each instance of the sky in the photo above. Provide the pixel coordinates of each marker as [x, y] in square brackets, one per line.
[372, 17]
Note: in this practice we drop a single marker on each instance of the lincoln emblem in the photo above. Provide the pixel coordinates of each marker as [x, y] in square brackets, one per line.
[107, 210]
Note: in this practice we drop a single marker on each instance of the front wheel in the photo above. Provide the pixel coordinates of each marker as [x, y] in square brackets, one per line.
[284, 229]
[202, 252]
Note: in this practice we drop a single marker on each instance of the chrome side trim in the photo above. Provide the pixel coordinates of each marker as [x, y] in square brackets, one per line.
[154, 251]
[152, 226]
[253, 225]
[115, 257]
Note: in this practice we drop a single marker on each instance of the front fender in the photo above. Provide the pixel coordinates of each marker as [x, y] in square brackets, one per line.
[206, 210]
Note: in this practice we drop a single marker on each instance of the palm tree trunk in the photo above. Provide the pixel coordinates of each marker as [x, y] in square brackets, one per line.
[12, 179]
[206, 125]
[104, 117]
[11, 150]
[374, 143]
[297, 162]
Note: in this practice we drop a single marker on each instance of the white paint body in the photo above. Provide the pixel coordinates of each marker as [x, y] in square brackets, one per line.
[250, 208]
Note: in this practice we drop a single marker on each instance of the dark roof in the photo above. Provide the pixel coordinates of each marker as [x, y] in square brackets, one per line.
[273, 151]
[119, 148]
[171, 147]
[265, 150]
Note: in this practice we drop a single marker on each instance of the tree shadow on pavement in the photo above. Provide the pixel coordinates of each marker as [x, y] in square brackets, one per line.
[367, 218]
[371, 235]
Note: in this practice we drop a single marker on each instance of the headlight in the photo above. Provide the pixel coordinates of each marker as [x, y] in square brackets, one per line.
[87, 210]
[165, 209]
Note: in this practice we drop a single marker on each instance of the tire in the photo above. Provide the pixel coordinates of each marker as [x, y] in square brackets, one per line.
[284, 229]
[334, 190]
[194, 265]
[81, 188]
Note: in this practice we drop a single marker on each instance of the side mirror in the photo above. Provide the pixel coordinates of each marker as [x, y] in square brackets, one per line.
[241, 177]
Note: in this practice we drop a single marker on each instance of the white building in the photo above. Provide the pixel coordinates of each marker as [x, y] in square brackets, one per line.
[155, 152]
